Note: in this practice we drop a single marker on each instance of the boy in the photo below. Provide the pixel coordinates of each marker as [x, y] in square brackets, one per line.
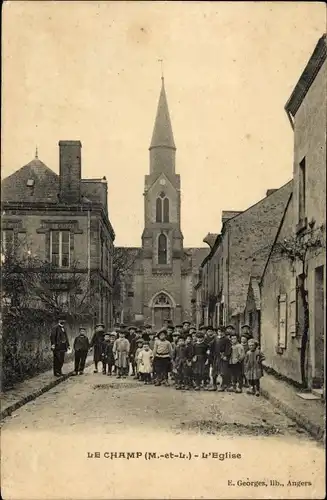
[235, 364]
[121, 350]
[253, 367]
[200, 360]
[179, 358]
[81, 348]
[189, 353]
[162, 354]
[209, 339]
[108, 359]
[221, 352]
[133, 346]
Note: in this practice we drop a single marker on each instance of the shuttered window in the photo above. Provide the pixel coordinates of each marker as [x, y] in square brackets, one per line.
[282, 321]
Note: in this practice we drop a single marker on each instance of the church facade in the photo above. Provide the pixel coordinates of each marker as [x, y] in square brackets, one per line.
[159, 284]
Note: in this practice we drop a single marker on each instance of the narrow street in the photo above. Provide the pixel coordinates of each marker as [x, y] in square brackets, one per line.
[96, 413]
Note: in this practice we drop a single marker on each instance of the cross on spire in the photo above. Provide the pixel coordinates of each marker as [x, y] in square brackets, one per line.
[161, 65]
[36, 153]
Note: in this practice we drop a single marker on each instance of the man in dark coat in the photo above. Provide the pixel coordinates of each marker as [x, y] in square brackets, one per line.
[59, 345]
[96, 343]
[221, 352]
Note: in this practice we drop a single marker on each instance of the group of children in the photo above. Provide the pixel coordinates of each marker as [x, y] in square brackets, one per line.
[191, 359]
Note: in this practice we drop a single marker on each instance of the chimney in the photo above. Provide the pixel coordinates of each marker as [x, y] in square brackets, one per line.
[210, 239]
[270, 191]
[228, 214]
[70, 171]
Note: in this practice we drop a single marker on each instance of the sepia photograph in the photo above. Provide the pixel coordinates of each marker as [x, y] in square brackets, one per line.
[163, 250]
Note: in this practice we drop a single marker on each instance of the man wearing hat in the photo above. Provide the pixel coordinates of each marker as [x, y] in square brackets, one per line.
[137, 335]
[209, 340]
[96, 343]
[246, 331]
[178, 329]
[59, 346]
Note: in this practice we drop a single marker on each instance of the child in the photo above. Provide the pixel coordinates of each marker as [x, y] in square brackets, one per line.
[139, 347]
[200, 360]
[162, 354]
[235, 364]
[145, 359]
[108, 359]
[253, 367]
[81, 348]
[133, 346]
[121, 350]
[179, 359]
[189, 353]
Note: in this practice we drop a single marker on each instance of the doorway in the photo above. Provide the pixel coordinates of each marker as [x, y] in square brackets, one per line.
[319, 327]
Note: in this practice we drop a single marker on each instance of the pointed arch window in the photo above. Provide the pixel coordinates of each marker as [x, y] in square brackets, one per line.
[159, 210]
[166, 210]
[162, 249]
[162, 208]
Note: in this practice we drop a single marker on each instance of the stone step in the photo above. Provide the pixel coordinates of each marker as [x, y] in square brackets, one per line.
[319, 392]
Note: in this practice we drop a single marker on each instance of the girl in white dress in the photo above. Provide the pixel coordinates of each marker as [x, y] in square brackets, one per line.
[145, 359]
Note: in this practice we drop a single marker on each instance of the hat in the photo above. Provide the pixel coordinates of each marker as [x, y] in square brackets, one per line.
[193, 326]
[139, 340]
[178, 326]
[162, 330]
[186, 321]
[82, 328]
[210, 327]
[147, 326]
[113, 334]
[232, 327]
[245, 326]
[200, 334]
[171, 326]
[203, 327]
[132, 328]
[99, 325]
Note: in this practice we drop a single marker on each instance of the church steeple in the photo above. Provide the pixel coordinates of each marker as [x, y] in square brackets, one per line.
[162, 147]
[162, 133]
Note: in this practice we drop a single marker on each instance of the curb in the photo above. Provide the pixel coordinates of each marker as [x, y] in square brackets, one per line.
[315, 430]
[33, 395]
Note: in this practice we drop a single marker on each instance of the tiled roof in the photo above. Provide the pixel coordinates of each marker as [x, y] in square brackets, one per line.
[46, 185]
[45, 188]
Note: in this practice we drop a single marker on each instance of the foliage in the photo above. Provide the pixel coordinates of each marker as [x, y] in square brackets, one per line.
[299, 249]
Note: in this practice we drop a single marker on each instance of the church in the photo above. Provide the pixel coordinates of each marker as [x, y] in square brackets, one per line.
[158, 283]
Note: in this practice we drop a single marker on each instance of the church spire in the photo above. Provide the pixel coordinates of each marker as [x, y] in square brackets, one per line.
[162, 136]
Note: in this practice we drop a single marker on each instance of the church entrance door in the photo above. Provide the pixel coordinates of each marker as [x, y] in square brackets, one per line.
[162, 311]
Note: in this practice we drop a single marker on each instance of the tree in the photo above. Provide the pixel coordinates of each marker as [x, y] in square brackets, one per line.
[298, 250]
[124, 260]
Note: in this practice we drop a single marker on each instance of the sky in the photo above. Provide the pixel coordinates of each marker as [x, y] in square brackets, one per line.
[90, 71]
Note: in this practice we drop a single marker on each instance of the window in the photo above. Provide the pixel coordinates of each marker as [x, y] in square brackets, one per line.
[7, 241]
[162, 208]
[60, 248]
[162, 249]
[159, 210]
[302, 188]
[166, 210]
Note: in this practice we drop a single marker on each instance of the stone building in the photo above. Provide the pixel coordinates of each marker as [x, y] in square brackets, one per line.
[62, 220]
[282, 312]
[238, 254]
[160, 285]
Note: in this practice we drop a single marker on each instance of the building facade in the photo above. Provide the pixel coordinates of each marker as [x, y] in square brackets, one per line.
[282, 306]
[62, 221]
[159, 287]
[239, 254]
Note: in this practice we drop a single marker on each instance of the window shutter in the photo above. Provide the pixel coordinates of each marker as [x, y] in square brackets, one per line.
[292, 313]
[282, 321]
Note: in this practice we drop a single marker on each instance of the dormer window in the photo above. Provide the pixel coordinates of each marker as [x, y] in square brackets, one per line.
[30, 183]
